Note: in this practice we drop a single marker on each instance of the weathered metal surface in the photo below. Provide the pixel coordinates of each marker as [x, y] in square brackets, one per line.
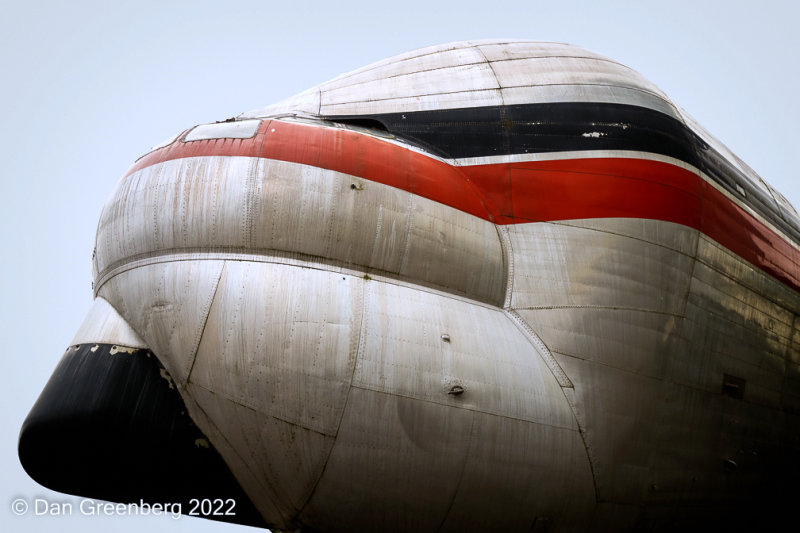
[501, 371]
[259, 206]
[167, 303]
[649, 378]
[485, 285]
[104, 325]
[479, 73]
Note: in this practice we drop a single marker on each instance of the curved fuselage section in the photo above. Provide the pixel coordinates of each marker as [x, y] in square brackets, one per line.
[563, 310]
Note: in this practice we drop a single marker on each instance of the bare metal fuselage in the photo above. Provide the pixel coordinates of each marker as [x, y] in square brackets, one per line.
[451, 291]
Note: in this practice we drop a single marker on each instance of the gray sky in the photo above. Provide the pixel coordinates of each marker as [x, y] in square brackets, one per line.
[89, 86]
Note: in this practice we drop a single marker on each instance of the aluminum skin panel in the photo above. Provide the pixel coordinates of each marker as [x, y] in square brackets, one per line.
[418, 344]
[416, 83]
[455, 57]
[510, 50]
[473, 74]
[560, 265]
[440, 468]
[647, 346]
[484, 285]
[167, 304]
[250, 206]
[104, 325]
[276, 462]
[303, 347]
[586, 93]
[569, 71]
[286, 353]
[456, 99]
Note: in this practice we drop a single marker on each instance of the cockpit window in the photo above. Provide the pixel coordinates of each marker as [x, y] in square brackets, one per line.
[237, 129]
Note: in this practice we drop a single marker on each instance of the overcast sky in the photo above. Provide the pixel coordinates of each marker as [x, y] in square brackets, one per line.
[89, 86]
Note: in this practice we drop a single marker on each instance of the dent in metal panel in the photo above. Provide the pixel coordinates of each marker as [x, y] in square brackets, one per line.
[167, 304]
[282, 341]
[395, 466]
[500, 370]
[103, 325]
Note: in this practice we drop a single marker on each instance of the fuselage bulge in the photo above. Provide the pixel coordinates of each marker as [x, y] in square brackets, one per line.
[489, 286]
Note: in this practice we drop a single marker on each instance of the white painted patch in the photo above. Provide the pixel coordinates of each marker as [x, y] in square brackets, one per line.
[594, 134]
[122, 349]
[165, 375]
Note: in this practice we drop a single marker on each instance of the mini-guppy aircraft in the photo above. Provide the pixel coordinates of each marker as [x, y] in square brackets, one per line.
[482, 286]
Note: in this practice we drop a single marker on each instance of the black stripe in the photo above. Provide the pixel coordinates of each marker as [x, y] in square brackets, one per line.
[571, 126]
[538, 128]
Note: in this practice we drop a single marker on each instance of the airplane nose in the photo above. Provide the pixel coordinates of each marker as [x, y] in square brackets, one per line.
[110, 425]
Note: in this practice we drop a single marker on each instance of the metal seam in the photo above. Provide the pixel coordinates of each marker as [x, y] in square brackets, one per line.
[359, 350]
[205, 322]
[465, 407]
[551, 362]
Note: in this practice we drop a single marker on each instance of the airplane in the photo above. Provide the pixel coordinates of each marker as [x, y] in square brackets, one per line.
[494, 285]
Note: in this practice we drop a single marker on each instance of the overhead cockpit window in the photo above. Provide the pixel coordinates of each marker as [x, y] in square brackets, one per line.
[236, 129]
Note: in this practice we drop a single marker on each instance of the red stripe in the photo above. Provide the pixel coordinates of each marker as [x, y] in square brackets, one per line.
[341, 150]
[511, 193]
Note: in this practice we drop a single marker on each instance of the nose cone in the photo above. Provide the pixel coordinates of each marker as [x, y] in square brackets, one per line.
[110, 425]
